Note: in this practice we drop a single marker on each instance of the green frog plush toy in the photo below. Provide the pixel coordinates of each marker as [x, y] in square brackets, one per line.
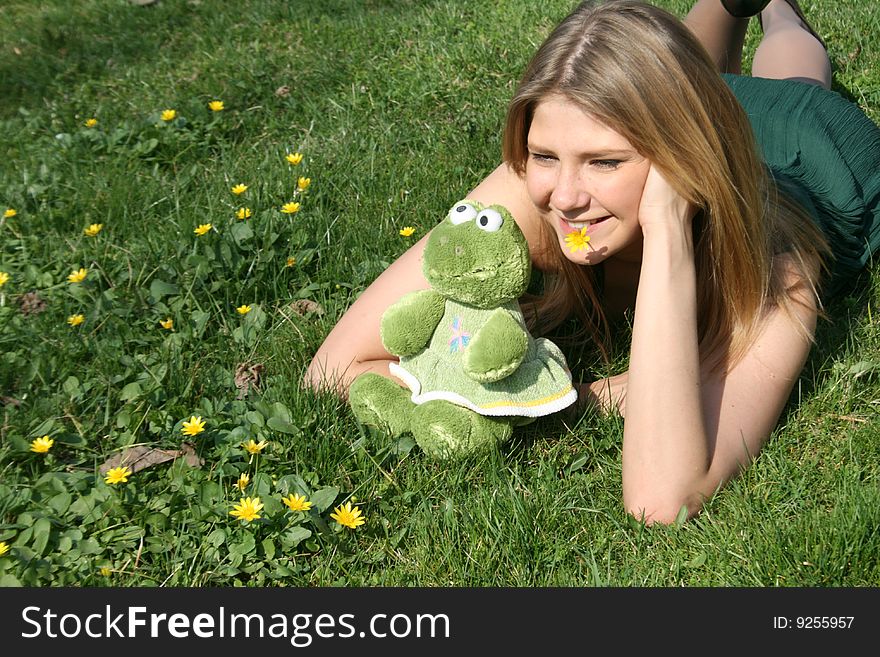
[473, 370]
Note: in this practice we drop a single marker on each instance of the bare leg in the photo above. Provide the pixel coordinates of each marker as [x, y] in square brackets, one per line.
[721, 34]
[788, 51]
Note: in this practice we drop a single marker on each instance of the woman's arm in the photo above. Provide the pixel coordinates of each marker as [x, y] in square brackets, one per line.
[354, 345]
[687, 431]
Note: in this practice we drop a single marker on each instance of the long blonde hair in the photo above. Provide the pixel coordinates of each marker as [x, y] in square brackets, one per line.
[638, 70]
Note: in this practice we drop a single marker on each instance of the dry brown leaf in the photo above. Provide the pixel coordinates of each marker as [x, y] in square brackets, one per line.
[30, 303]
[188, 452]
[282, 91]
[248, 376]
[140, 457]
[9, 400]
[306, 306]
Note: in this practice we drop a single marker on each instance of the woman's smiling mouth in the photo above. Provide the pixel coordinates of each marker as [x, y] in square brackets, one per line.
[577, 226]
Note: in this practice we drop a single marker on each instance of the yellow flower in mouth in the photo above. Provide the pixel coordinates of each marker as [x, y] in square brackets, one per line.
[117, 476]
[303, 183]
[239, 189]
[291, 261]
[93, 230]
[42, 445]
[243, 481]
[4, 278]
[294, 158]
[243, 213]
[78, 275]
[577, 241]
[297, 502]
[10, 212]
[4, 548]
[194, 427]
[169, 114]
[216, 106]
[247, 509]
[407, 231]
[91, 123]
[252, 447]
[76, 320]
[243, 310]
[166, 323]
[290, 208]
[347, 516]
[202, 229]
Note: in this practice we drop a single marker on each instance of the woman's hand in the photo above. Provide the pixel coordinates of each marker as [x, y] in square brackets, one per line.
[661, 204]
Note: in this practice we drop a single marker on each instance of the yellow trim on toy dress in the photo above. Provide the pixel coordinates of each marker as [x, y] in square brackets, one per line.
[536, 402]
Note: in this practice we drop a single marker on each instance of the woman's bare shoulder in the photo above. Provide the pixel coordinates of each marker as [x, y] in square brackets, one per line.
[504, 187]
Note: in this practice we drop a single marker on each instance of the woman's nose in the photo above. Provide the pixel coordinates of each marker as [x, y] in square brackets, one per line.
[569, 193]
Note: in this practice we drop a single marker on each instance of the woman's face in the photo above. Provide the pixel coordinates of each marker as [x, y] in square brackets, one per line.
[582, 175]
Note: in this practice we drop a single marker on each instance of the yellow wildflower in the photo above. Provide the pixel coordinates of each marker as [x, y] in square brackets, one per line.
[297, 502]
[347, 516]
[303, 183]
[406, 231]
[247, 509]
[194, 427]
[78, 275]
[76, 320]
[578, 240]
[239, 189]
[243, 310]
[243, 213]
[105, 571]
[117, 475]
[93, 230]
[243, 481]
[10, 212]
[291, 261]
[169, 114]
[4, 548]
[294, 158]
[216, 106]
[252, 447]
[42, 445]
[91, 123]
[166, 323]
[202, 229]
[4, 278]
[290, 208]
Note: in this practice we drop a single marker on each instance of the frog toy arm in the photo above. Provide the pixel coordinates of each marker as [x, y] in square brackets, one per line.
[408, 325]
[497, 348]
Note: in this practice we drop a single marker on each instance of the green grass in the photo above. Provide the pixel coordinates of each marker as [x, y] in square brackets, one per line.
[397, 108]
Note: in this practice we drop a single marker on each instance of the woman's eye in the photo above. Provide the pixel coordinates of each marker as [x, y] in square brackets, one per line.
[462, 212]
[541, 157]
[489, 220]
[609, 165]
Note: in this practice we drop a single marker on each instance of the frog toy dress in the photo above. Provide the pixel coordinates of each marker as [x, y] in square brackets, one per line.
[473, 370]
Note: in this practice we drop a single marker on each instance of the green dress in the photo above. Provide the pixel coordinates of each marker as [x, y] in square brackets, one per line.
[825, 153]
[539, 386]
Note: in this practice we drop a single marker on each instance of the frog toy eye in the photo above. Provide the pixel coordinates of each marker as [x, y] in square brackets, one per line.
[489, 220]
[462, 212]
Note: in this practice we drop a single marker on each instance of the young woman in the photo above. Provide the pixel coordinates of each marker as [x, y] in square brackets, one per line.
[622, 131]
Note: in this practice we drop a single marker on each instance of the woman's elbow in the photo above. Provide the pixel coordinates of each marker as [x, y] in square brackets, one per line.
[321, 376]
[665, 510]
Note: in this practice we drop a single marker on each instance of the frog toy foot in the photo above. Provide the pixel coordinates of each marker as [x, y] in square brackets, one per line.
[379, 402]
[444, 430]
